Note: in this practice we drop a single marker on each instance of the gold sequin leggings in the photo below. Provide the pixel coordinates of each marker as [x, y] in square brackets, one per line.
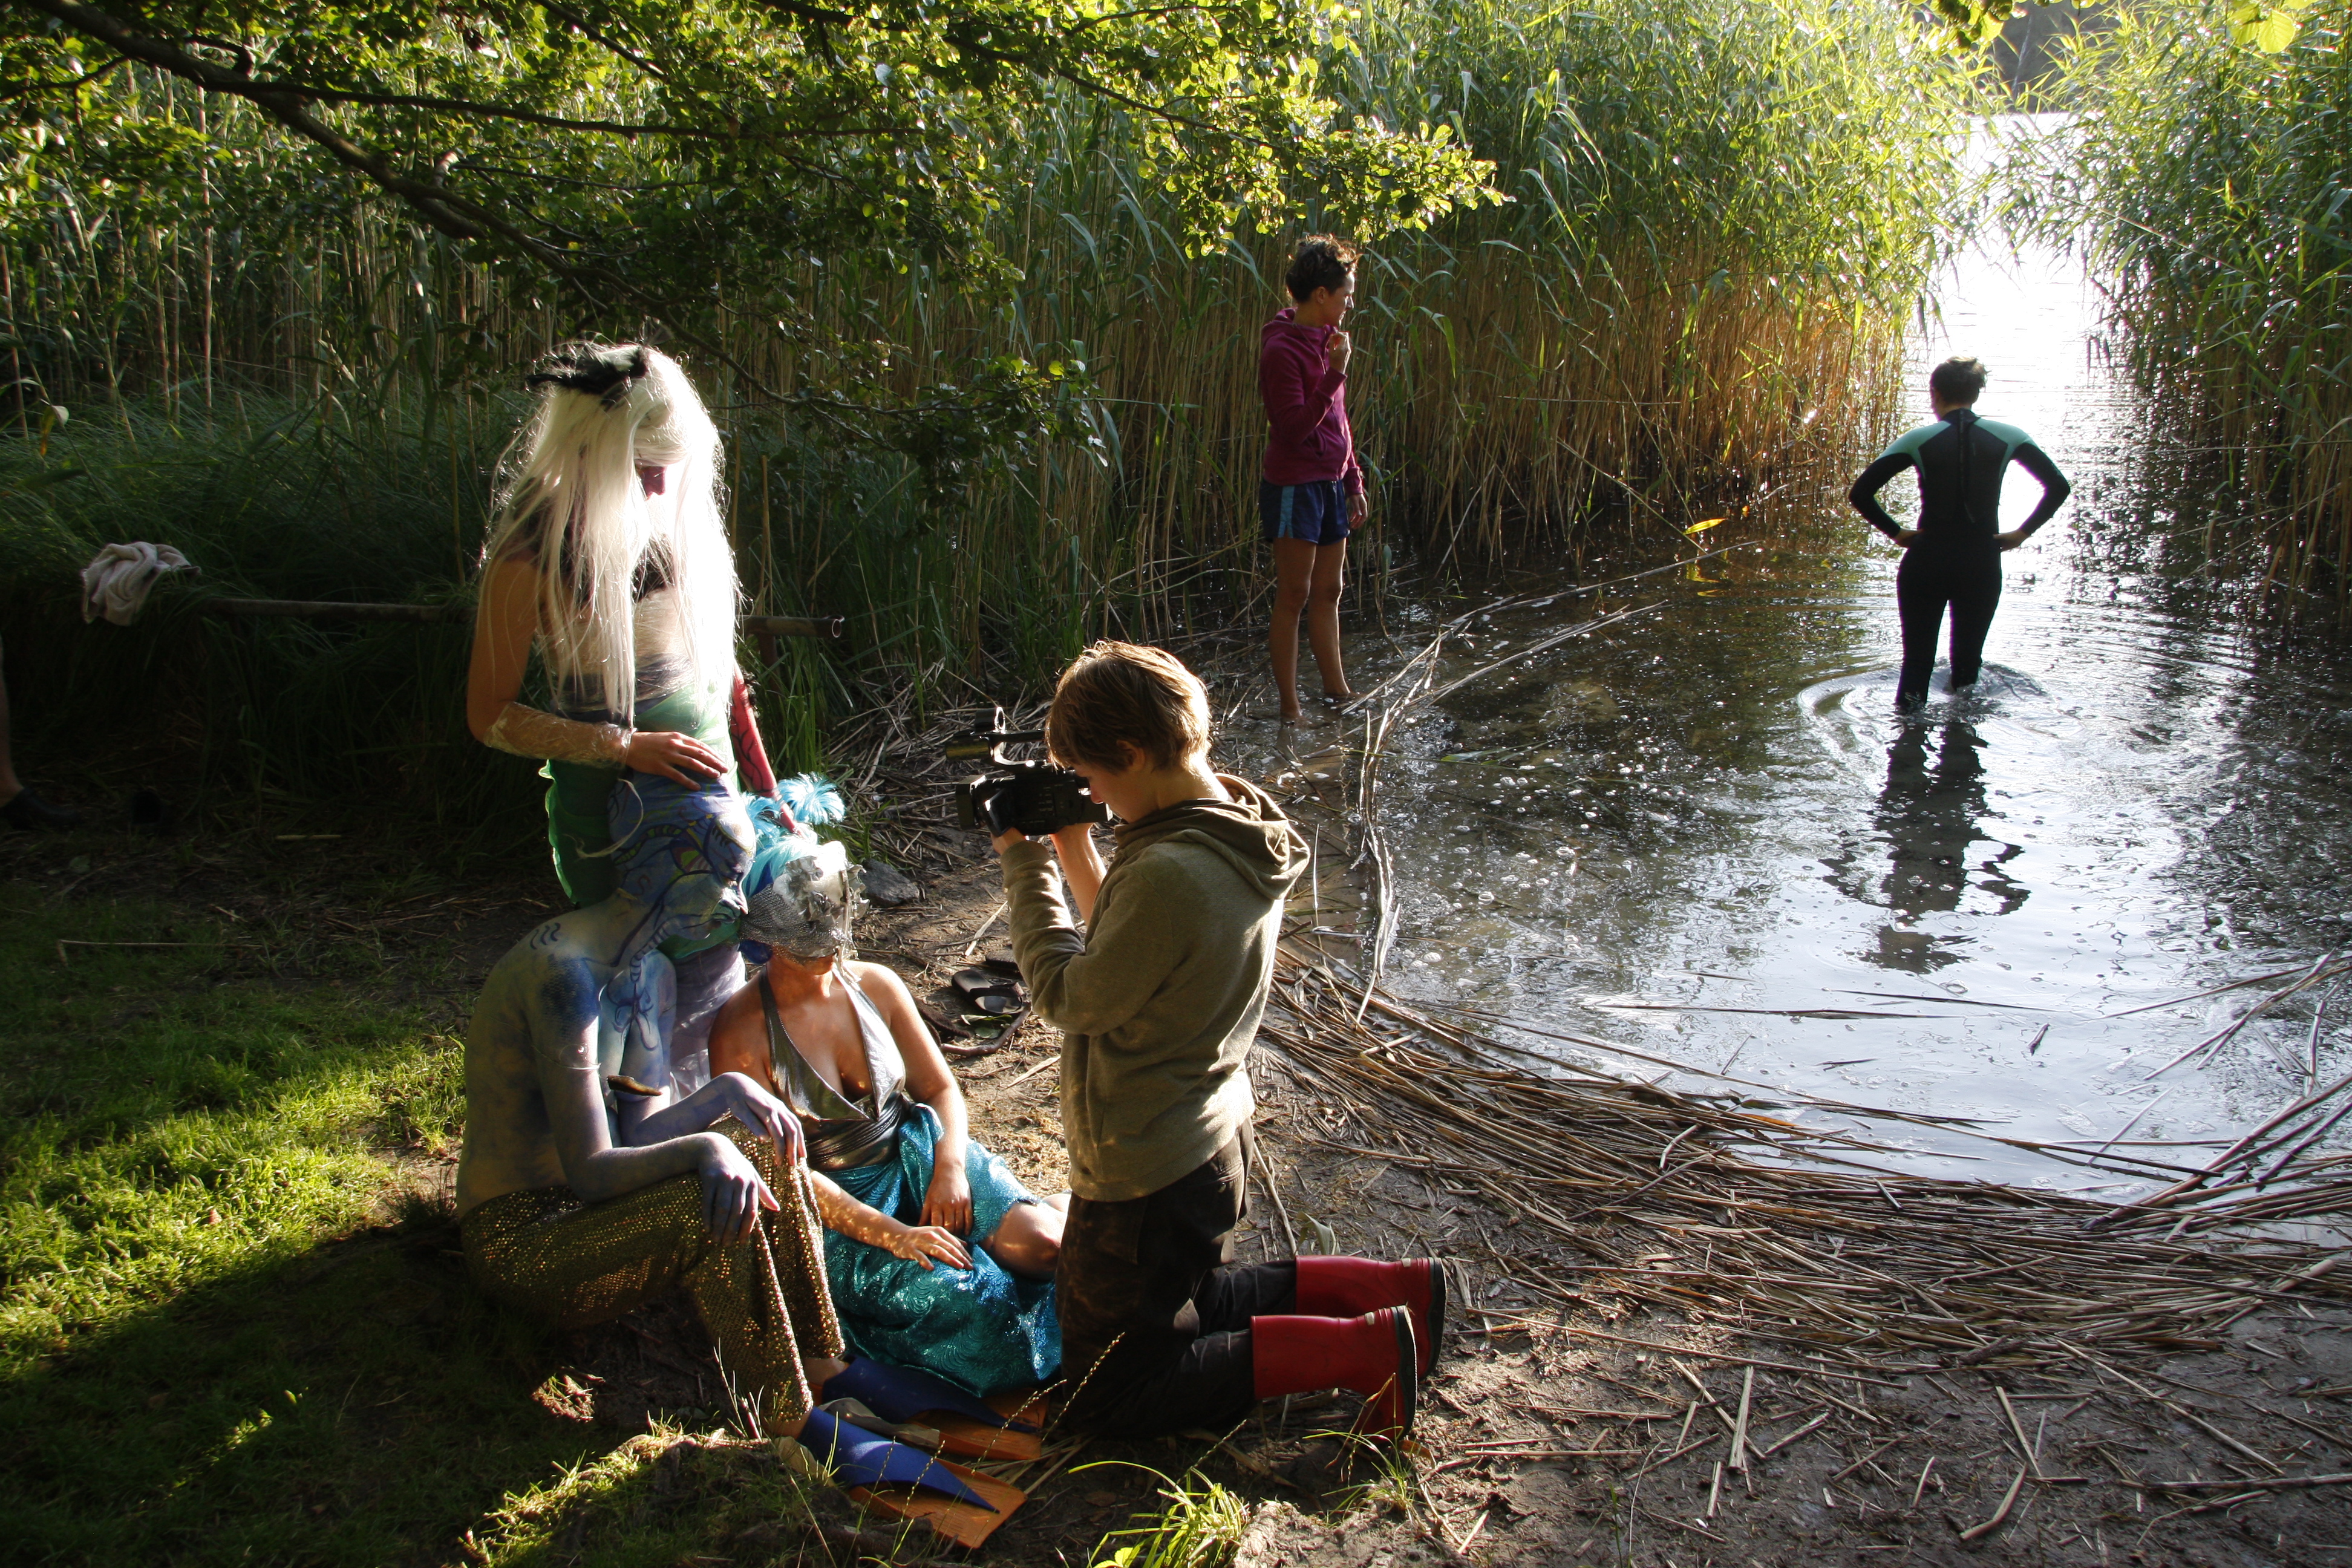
[569, 1264]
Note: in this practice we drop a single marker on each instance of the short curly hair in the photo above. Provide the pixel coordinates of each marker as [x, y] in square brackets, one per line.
[1958, 380]
[1121, 694]
[1321, 261]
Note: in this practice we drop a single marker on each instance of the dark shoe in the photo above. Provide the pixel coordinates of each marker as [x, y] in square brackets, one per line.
[34, 814]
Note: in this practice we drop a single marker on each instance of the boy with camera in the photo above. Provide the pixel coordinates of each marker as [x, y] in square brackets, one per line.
[1158, 1001]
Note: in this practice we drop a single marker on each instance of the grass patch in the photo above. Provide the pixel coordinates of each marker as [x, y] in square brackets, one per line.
[660, 1499]
[1199, 1525]
[231, 1327]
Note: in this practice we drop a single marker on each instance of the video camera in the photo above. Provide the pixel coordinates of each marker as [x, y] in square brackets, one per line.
[1035, 798]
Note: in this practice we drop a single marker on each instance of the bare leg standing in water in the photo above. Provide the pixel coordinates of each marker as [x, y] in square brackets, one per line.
[1309, 578]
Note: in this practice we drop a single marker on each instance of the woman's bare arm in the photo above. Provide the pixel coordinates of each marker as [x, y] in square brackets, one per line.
[504, 622]
[845, 1216]
[928, 1078]
[733, 1194]
[948, 1203]
[1082, 866]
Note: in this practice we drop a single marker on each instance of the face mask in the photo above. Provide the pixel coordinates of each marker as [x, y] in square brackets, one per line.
[809, 908]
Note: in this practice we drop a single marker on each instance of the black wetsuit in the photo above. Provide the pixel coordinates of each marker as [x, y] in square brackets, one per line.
[1961, 461]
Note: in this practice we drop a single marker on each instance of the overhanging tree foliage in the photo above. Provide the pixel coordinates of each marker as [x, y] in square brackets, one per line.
[673, 166]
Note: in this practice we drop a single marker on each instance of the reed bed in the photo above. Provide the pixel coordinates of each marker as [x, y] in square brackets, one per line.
[1717, 1212]
[1719, 214]
[2206, 180]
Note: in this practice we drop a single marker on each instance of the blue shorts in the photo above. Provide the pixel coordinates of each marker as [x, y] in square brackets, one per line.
[1316, 513]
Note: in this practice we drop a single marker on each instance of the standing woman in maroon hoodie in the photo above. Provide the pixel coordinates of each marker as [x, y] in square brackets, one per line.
[1312, 495]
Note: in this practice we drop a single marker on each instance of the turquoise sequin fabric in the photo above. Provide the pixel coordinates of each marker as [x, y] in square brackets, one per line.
[980, 1328]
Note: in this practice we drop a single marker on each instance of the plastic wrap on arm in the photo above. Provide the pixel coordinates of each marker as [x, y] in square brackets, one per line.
[528, 733]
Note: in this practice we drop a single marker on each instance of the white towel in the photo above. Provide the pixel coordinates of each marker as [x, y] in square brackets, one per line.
[116, 584]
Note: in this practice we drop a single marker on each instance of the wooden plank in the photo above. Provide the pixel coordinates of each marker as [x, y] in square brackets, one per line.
[828, 627]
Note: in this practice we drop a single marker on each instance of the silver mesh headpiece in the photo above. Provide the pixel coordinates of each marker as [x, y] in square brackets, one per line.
[809, 909]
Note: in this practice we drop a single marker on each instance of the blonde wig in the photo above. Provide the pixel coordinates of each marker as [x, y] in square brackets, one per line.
[568, 499]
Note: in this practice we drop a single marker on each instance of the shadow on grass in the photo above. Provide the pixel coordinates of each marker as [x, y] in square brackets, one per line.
[359, 1403]
[187, 1372]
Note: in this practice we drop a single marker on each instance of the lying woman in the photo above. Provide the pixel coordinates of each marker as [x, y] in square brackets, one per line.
[937, 1256]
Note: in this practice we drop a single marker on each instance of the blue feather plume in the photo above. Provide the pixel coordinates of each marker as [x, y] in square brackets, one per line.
[810, 798]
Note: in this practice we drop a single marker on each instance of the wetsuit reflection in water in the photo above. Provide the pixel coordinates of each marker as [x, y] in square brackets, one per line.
[1953, 558]
[1928, 813]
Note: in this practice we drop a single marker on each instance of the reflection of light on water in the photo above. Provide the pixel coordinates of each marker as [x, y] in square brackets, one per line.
[1715, 813]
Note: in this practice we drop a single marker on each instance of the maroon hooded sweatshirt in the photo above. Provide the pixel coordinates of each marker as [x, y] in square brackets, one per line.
[1305, 407]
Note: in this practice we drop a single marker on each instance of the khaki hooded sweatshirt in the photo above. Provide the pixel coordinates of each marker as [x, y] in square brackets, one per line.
[1160, 1001]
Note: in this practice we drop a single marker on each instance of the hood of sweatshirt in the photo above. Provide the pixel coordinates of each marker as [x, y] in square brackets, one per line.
[1284, 326]
[1248, 831]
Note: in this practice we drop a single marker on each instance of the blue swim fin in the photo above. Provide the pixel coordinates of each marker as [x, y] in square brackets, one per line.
[859, 1458]
[901, 1394]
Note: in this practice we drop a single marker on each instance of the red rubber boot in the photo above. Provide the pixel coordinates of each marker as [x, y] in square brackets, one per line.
[1375, 1355]
[1345, 1286]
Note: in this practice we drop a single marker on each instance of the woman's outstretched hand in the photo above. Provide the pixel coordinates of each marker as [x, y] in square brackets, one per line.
[1907, 537]
[2010, 540]
[948, 1205]
[921, 1243]
[743, 1098]
[673, 756]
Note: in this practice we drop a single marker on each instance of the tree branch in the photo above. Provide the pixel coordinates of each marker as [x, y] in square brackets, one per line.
[439, 207]
[67, 84]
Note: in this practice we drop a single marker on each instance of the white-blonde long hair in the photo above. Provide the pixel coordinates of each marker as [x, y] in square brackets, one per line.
[568, 498]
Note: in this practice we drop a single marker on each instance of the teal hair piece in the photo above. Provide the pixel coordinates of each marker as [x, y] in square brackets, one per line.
[801, 893]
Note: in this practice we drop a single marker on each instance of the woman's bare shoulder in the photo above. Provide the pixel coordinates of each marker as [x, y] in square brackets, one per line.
[877, 980]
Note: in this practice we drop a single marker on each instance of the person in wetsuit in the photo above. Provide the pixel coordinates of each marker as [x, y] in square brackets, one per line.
[1953, 557]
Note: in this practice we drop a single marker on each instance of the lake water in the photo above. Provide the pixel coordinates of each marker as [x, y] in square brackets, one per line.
[1692, 835]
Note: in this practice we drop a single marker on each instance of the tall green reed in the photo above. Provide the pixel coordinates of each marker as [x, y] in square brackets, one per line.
[2210, 181]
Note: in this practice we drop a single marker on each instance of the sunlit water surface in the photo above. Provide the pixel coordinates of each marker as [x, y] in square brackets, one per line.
[1676, 835]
